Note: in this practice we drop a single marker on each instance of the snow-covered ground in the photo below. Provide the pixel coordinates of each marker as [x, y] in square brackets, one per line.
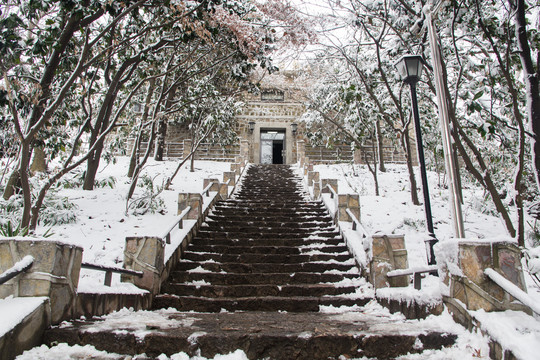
[102, 223]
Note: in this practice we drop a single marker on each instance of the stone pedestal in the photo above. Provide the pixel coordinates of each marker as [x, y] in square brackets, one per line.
[307, 166]
[389, 253]
[468, 283]
[194, 200]
[146, 254]
[357, 156]
[332, 182]
[301, 151]
[214, 182]
[229, 175]
[224, 191]
[54, 274]
[351, 202]
[312, 176]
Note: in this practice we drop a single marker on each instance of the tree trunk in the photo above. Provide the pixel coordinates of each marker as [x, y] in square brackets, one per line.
[135, 152]
[406, 144]
[531, 82]
[380, 145]
[162, 128]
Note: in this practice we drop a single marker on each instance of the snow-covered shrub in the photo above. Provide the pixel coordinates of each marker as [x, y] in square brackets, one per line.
[75, 180]
[56, 210]
[532, 258]
[149, 200]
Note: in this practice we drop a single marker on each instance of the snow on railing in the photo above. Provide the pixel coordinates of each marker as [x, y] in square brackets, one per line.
[512, 289]
[109, 270]
[416, 271]
[20, 266]
[178, 222]
[206, 190]
[356, 225]
[333, 193]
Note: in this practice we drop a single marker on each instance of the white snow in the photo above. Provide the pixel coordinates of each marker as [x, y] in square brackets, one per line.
[18, 266]
[14, 310]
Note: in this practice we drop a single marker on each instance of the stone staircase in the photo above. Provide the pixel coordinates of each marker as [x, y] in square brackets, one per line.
[268, 249]
[268, 273]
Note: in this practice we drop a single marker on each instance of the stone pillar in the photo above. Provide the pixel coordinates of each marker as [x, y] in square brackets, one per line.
[301, 151]
[191, 199]
[229, 175]
[244, 149]
[214, 182]
[389, 253]
[54, 273]
[307, 166]
[316, 189]
[187, 148]
[472, 287]
[332, 182]
[351, 202]
[312, 176]
[146, 254]
[223, 191]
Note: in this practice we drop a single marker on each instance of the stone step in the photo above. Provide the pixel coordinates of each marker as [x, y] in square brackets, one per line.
[267, 268]
[268, 229]
[263, 303]
[263, 235]
[238, 291]
[258, 278]
[269, 259]
[286, 250]
[231, 241]
[267, 217]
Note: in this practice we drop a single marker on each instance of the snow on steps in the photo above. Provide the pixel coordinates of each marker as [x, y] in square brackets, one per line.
[261, 335]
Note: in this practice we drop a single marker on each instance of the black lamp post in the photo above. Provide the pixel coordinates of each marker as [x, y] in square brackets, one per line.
[410, 69]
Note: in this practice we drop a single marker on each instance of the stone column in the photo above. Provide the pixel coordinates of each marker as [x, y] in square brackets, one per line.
[351, 202]
[223, 191]
[301, 151]
[146, 254]
[229, 175]
[307, 166]
[389, 253]
[54, 273]
[194, 200]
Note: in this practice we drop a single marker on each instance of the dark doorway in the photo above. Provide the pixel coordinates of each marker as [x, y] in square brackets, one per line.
[277, 152]
[273, 146]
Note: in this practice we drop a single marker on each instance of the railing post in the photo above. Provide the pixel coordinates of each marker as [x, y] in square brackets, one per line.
[331, 182]
[351, 202]
[146, 254]
[229, 176]
[389, 253]
[186, 148]
[194, 200]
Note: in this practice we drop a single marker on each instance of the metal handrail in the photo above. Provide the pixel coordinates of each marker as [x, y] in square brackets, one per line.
[109, 270]
[178, 222]
[18, 268]
[416, 272]
[356, 224]
[512, 289]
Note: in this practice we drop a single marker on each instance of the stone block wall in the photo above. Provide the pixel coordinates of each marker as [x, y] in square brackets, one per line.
[55, 273]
